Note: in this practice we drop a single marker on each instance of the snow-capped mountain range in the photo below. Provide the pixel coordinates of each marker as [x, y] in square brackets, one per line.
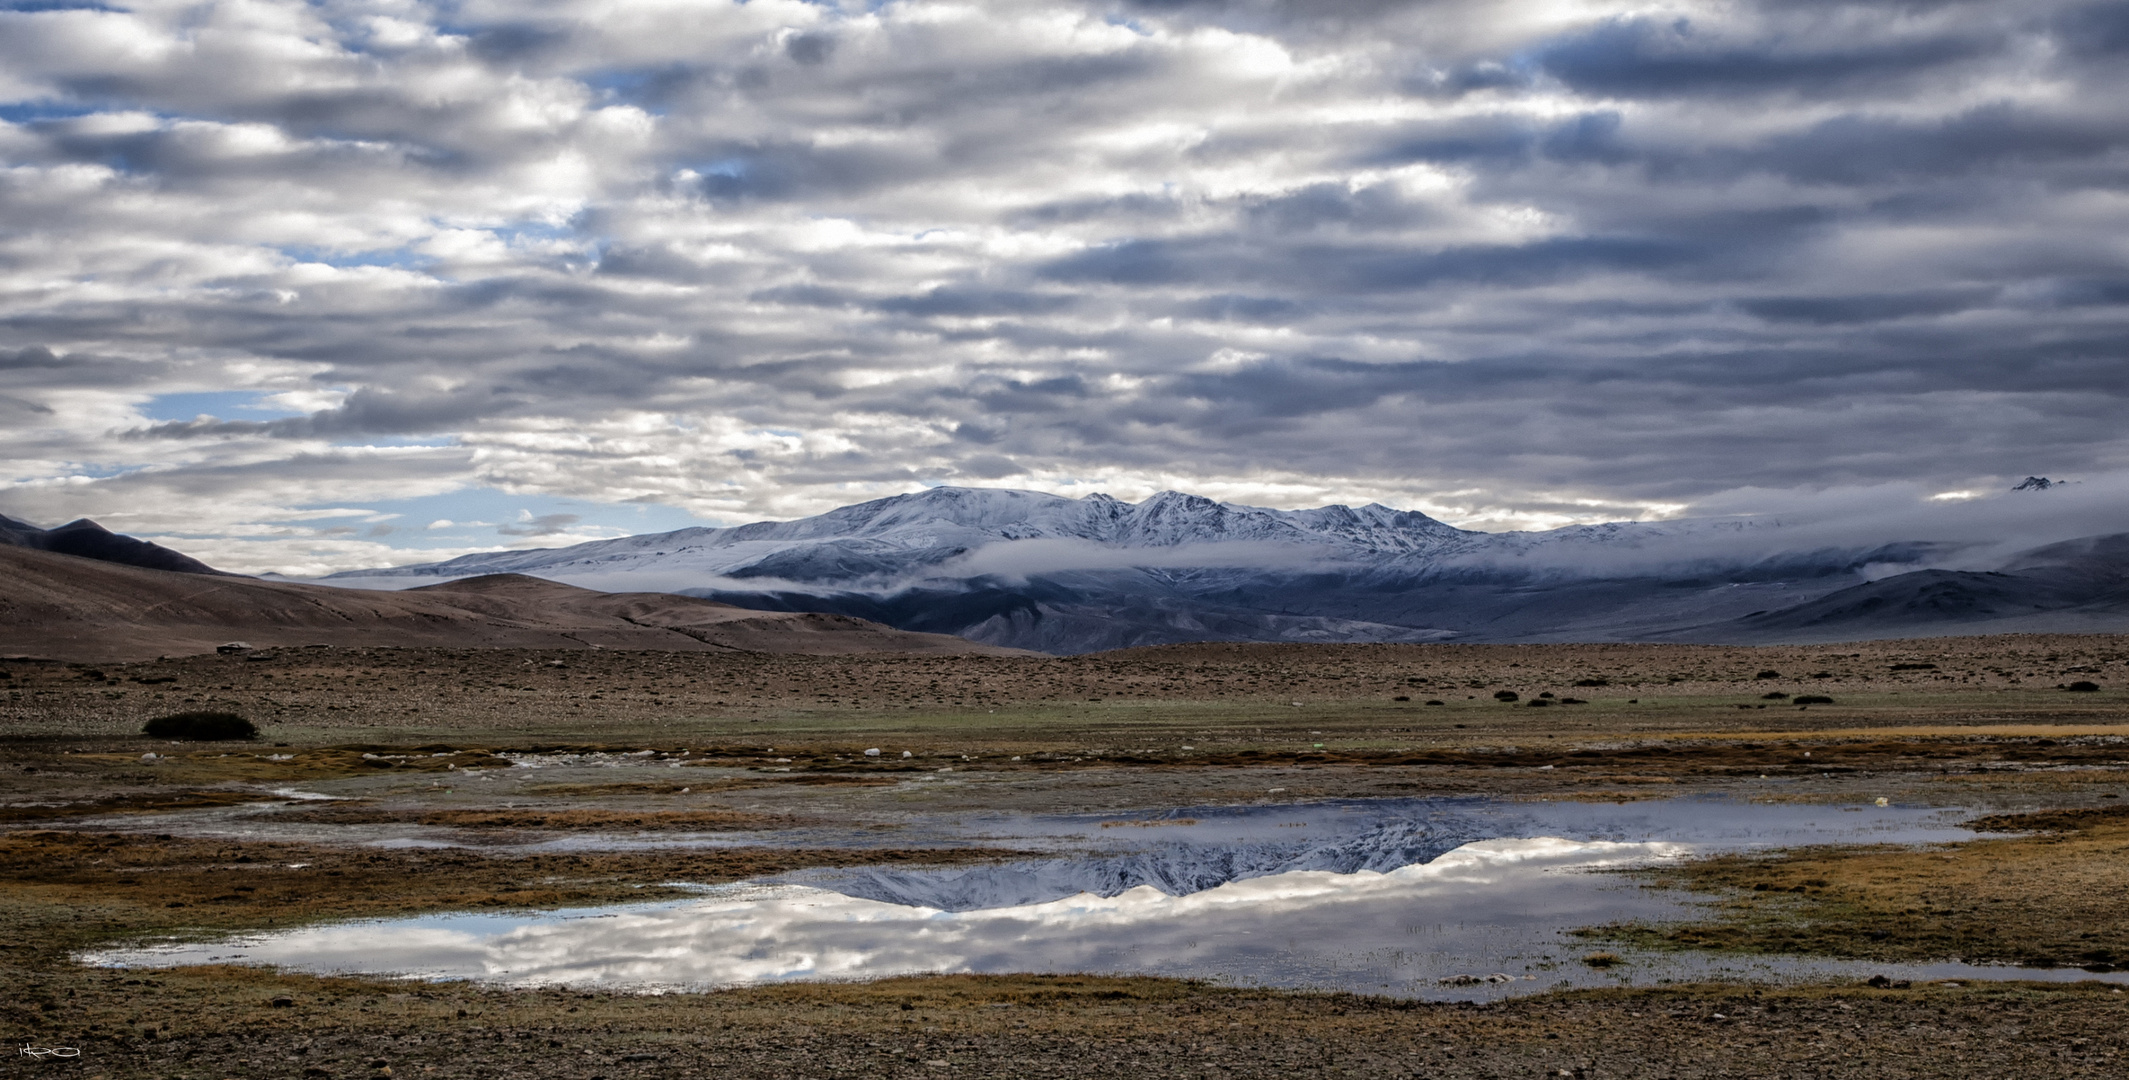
[1039, 571]
[898, 535]
[888, 541]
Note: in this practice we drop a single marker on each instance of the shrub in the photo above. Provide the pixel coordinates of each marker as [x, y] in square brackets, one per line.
[2082, 687]
[1436, 701]
[1506, 695]
[1603, 959]
[1770, 673]
[1811, 699]
[1593, 682]
[1775, 696]
[201, 727]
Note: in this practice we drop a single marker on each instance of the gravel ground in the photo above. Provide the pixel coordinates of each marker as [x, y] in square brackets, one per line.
[1083, 1027]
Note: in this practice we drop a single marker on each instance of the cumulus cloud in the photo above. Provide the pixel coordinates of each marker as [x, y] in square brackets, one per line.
[1513, 266]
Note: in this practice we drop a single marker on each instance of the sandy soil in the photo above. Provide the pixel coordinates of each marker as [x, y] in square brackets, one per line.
[98, 842]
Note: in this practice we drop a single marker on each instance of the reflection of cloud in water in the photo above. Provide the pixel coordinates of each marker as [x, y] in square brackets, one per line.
[1364, 930]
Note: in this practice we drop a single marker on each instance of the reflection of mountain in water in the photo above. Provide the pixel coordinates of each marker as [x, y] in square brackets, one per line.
[1175, 868]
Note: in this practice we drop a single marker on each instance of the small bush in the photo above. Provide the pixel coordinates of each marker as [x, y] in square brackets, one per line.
[2082, 687]
[1811, 699]
[1436, 701]
[201, 727]
[1593, 682]
[1770, 673]
[1603, 959]
[1775, 696]
[1402, 697]
[1506, 695]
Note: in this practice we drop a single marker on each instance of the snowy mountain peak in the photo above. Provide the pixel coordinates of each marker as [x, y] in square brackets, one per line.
[906, 534]
[1040, 571]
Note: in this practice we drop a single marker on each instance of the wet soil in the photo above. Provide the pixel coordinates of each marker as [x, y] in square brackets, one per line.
[692, 821]
[139, 803]
[122, 883]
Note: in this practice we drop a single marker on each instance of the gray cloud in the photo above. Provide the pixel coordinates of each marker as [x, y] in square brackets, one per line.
[1510, 265]
[540, 525]
[1674, 56]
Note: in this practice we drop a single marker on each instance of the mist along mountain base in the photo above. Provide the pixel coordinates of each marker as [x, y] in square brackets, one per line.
[1043, 572]
[70, 608]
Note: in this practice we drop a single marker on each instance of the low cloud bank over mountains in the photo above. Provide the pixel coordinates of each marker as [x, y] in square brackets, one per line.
[1037, 571]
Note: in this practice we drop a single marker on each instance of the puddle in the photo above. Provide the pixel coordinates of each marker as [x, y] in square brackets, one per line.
[1464, 898]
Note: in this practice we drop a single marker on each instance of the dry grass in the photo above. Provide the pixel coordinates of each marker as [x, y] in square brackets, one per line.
[216, 1022]
[2010, 678]
[2045, 899]
[145, 803]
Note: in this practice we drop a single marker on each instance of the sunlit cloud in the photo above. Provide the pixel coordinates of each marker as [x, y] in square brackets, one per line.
[1516, 267]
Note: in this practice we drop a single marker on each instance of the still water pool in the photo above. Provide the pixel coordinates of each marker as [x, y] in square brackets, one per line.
[1464, 898]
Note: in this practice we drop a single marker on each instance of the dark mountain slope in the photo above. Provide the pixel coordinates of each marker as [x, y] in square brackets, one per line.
[88, 540]
[2079, 584]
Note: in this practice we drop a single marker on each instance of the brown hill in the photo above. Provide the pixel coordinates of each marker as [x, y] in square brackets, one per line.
[69, 608]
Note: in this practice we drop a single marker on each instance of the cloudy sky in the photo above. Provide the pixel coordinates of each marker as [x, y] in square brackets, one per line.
[306, 286]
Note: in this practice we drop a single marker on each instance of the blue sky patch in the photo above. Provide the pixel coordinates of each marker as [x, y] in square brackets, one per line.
[220, 404]
[488, 517]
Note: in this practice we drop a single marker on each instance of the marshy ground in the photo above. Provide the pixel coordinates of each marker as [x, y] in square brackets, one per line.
[104, 843]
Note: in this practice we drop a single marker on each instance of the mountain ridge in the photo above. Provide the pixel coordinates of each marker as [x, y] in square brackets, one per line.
[1054, 574]
[87, 539]
[944, 522]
